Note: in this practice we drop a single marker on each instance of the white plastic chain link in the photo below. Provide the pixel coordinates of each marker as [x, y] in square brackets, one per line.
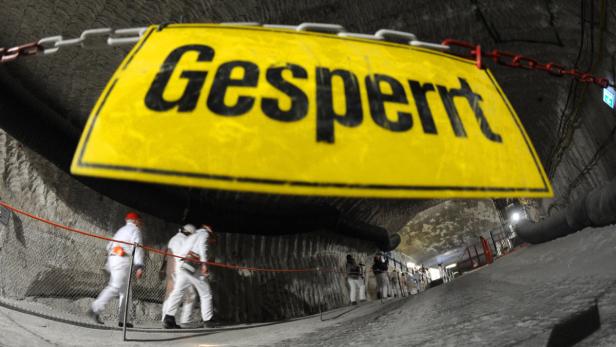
[92, 38]
[102, 37]
[336, 29]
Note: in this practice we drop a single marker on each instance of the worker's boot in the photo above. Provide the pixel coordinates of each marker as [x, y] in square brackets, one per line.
[128, 325]
[210, 324]
[94, 316]
[169, 323]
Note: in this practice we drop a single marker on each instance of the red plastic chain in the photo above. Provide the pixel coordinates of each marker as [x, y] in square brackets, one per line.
[470, 50]
[156, 250]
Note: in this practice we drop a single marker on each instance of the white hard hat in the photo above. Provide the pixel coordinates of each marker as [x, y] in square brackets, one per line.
[189, 228]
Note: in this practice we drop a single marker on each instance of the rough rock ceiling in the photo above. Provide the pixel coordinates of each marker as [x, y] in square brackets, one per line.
[56, 92]
[446, 227]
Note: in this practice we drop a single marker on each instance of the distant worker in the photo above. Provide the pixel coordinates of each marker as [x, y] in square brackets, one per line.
[423, 278]
[404, 283]
[362, 283]
[413, 282]
[353, 272]
[393, 283]
[380, 268]
[442, 272]
[171, 266]
[118, 264]
[193, 272]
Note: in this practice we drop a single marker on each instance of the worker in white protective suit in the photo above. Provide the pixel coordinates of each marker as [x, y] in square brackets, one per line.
[193, 272]
[362, 283]
[353, 272]
[442, 273]
[170, 268]
[118, 265]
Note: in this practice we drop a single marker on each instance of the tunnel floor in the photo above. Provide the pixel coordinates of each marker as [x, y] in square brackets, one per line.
[518, 300]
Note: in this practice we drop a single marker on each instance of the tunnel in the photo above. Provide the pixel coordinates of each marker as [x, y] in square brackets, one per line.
[470, 266]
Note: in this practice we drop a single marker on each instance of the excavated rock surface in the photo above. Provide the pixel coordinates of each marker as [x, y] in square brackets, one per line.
[63, 271]
[447, 226]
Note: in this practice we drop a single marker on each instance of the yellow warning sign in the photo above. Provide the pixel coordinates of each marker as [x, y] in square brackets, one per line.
[281, 111]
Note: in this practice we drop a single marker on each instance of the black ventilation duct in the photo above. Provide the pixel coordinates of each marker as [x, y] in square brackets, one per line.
[595, 209]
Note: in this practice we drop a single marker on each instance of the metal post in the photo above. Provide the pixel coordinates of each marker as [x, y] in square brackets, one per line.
[127, 294]
[493, 242]
[319, 276]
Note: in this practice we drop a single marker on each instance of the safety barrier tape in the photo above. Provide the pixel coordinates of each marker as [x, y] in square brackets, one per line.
[156, 250]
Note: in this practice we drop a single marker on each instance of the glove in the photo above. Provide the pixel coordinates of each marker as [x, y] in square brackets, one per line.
[204, 270]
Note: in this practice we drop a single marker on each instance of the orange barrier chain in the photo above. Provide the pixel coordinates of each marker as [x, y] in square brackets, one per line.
[156, 250]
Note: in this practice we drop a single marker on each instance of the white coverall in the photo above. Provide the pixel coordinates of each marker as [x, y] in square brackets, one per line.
[443, 274]
[382, 283]
[394, 287]
[174, 247]
[356, 282]
[413, 283]
[362, 283]
[355, 286]
[196, 243]
[362, 289]
[118, 267]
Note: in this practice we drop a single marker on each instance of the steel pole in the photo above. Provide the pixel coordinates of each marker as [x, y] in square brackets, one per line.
[399, 283]
[127, 294]
[494, 242]
[319, 276]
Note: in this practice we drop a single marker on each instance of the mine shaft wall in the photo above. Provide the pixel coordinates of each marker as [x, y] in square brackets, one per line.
[63, 270]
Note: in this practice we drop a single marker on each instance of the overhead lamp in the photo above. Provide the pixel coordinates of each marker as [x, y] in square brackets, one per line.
[434, 273]
[515, 217]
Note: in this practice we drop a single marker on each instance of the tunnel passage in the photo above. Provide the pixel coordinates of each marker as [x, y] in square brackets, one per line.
[44, 104]
[45, 101]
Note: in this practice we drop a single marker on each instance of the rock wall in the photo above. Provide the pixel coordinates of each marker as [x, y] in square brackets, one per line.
[64, 270]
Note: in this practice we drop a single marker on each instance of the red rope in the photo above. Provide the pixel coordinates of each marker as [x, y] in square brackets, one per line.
[155, 250]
